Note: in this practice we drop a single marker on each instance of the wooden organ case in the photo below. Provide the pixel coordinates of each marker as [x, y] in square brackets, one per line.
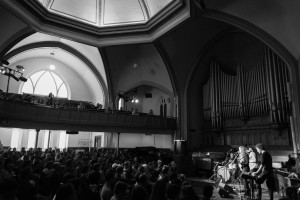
[250, 106]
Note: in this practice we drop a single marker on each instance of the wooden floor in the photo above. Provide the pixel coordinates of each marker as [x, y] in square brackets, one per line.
[199, 183]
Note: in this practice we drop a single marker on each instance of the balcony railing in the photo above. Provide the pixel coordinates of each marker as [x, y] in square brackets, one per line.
[27, 115]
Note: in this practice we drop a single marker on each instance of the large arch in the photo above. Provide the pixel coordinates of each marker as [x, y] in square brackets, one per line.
[67, 49]
[268, 40]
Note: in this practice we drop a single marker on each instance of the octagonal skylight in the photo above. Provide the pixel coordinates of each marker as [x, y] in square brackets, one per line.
[105, 13]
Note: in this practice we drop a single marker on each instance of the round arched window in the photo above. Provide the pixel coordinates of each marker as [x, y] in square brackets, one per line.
[44, 82]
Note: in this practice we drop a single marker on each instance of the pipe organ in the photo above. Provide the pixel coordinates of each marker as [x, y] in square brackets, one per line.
[253, 100]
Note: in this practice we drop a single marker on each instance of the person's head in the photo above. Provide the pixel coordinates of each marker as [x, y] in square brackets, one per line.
[66, 192]
[232, 155]
[159, 163]
[260, 148]
[250, 149]
[121, 189]
[143, 179]
[242, 149]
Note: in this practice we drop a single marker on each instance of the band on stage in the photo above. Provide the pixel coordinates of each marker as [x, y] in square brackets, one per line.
[242, 166]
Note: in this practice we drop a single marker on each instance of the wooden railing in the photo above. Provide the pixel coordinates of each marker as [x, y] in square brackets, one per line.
[28, 115]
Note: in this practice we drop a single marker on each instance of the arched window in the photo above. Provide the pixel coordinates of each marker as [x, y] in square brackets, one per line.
[44, 82]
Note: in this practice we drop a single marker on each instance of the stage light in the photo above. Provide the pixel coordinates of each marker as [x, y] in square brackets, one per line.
[23, 79]
[20, 68]
[16, 74]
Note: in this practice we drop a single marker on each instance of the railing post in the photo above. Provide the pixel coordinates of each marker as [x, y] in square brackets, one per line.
[118, 145]
[36, 138]
[48, 139]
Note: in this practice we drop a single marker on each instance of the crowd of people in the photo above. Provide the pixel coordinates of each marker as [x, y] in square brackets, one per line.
[101, 174]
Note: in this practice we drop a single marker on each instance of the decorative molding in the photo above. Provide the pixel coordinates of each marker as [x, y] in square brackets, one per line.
[37, 16]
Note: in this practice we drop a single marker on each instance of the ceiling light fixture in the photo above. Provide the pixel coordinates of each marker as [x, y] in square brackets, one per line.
[52, 66]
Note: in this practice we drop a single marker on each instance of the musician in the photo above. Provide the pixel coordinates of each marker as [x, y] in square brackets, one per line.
[265, 171]
[233, 166]
[253, 166]
[244, 166]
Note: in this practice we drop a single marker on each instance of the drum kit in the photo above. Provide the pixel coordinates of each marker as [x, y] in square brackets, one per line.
[222, 174]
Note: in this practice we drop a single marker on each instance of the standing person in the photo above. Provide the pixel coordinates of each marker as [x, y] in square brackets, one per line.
[1, 147]
[252, 160]
[232, 166]
[244, 165]
[265, 171]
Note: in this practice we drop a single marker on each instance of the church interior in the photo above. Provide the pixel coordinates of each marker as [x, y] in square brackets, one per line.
[114, 84]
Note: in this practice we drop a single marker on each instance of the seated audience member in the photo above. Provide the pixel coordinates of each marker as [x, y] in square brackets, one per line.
[50, 99]
[99, 106]
[159, 190]
[66, 192]
[8, 186]
[173, 192]
[150, 112]
[81, 106]
[121, 191]
[135, 112]
[107, 189]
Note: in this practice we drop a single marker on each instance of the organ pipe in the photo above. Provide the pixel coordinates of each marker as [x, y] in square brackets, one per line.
[260, 91]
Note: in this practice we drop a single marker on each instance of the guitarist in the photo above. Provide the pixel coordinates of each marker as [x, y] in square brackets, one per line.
[265, 171]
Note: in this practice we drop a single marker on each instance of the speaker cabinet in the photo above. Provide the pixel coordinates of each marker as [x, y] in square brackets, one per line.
[225, 191]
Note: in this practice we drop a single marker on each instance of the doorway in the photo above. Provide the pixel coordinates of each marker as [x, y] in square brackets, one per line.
[97, 143]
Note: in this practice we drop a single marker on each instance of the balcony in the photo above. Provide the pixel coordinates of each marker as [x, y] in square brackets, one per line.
[21, 114]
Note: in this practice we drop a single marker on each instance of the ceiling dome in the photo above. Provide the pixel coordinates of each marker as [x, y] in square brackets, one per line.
[105, 13]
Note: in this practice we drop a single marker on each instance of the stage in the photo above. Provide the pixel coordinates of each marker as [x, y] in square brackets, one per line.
[236, 189]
